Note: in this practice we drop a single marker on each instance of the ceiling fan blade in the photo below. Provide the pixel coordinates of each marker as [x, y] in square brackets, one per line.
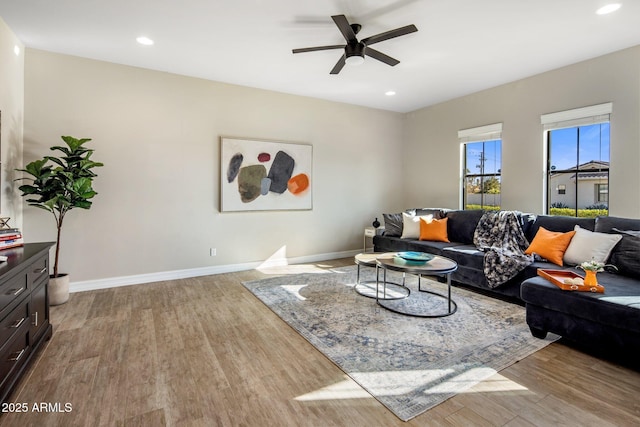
[390, 34]
[313, 49]
[339, 65]
[376, 54]
[345, 28]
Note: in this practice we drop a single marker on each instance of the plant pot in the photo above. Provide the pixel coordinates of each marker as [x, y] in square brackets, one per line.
[58, 289]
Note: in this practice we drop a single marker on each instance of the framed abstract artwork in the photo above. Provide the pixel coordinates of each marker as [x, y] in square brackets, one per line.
[265, 175]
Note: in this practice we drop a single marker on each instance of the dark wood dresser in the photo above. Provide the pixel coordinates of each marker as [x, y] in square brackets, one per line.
[24, 310]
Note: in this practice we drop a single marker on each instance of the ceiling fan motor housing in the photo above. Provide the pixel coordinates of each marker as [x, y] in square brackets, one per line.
[355, 49]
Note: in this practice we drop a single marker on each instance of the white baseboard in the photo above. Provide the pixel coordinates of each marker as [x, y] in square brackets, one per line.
[114, 282]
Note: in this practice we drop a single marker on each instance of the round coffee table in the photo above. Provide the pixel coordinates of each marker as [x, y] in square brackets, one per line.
[437, 266]
[369, 288]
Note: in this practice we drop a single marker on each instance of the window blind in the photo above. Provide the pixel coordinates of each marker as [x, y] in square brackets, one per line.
[591, 115]
[481, 133]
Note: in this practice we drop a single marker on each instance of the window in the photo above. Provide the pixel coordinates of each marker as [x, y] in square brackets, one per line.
[578, 161]
[481, 167]
[602, 193]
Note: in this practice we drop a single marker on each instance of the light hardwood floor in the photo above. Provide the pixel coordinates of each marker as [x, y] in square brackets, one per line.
[205, 352]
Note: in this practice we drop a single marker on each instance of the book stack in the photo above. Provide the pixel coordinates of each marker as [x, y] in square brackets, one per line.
[10, 238]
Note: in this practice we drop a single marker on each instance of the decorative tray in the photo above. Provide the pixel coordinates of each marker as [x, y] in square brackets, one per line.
[415, 256]
[568, 281]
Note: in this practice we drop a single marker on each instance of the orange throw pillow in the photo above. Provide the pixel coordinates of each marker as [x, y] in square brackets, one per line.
[550, 245]
[434, 230]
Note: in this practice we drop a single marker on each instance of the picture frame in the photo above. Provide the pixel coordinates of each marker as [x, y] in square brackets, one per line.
[261, 175]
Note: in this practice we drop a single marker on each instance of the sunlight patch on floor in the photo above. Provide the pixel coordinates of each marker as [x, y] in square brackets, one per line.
[462, 381]
[278, 264]
[394, 383]
[346, 389]
[497, 383]
[292, 269]
[370, 289]
[295, 290]
[475, 380]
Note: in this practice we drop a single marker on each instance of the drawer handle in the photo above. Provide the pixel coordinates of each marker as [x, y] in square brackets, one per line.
[18, 356]
[42, 270]
[18, 323]
[15, 292]
[35, 320]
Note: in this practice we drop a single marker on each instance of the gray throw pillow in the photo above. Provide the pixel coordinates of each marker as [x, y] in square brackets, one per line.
[392, 224]
[626, 254]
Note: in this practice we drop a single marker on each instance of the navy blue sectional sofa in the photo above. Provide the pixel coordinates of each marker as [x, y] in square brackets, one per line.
[594, 321]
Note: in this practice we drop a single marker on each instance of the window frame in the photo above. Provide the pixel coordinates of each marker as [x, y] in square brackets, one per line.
[481, 134]
[600, 192]
[569, 119]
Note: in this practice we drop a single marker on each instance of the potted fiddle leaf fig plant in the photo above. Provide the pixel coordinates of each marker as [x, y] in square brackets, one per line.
[58, 187]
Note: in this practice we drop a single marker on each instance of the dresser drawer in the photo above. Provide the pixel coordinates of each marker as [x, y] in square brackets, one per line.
[14, 354]
[11, 324]
[38, 270]
[11, 290]
[24, 311]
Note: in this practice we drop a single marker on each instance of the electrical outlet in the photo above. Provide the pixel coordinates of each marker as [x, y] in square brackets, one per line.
[212, 252]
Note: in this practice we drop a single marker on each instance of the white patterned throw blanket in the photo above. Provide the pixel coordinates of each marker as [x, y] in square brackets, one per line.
[500, 236]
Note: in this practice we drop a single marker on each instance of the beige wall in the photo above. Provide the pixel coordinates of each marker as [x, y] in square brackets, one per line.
[431, 133]
[158, 135]
[12, 108]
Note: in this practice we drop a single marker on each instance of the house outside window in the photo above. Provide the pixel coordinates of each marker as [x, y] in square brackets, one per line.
[481, 150]
[578, 161]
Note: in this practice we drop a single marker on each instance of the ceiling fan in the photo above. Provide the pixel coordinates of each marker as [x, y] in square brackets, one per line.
[354, 50]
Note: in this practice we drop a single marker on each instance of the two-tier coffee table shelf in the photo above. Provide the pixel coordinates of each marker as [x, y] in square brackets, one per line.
[436, 266]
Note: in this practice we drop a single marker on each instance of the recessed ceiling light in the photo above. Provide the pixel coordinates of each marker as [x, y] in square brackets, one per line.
[144, 41]
[16, 50]
[608, 8]
[390, 92]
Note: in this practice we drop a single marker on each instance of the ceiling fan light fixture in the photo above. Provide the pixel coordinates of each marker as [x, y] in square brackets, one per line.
[354, 53]
[355, 60]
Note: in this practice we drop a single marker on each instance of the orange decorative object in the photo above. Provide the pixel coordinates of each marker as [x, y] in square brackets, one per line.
[590, 278]
[569, 281]
[298, 184]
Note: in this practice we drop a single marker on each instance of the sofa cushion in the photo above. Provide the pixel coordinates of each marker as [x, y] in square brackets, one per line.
[397, 244]
[550, 245]
[626, 255]
[466, 256]
[589, 245]
[462, 225]
[434, 230]
[559, 223]
[606, 224]
[618, 306]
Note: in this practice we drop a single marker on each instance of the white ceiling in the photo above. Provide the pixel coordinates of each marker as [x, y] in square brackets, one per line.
[461, 47]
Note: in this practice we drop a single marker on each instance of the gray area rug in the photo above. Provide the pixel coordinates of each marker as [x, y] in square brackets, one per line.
[408, 364]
